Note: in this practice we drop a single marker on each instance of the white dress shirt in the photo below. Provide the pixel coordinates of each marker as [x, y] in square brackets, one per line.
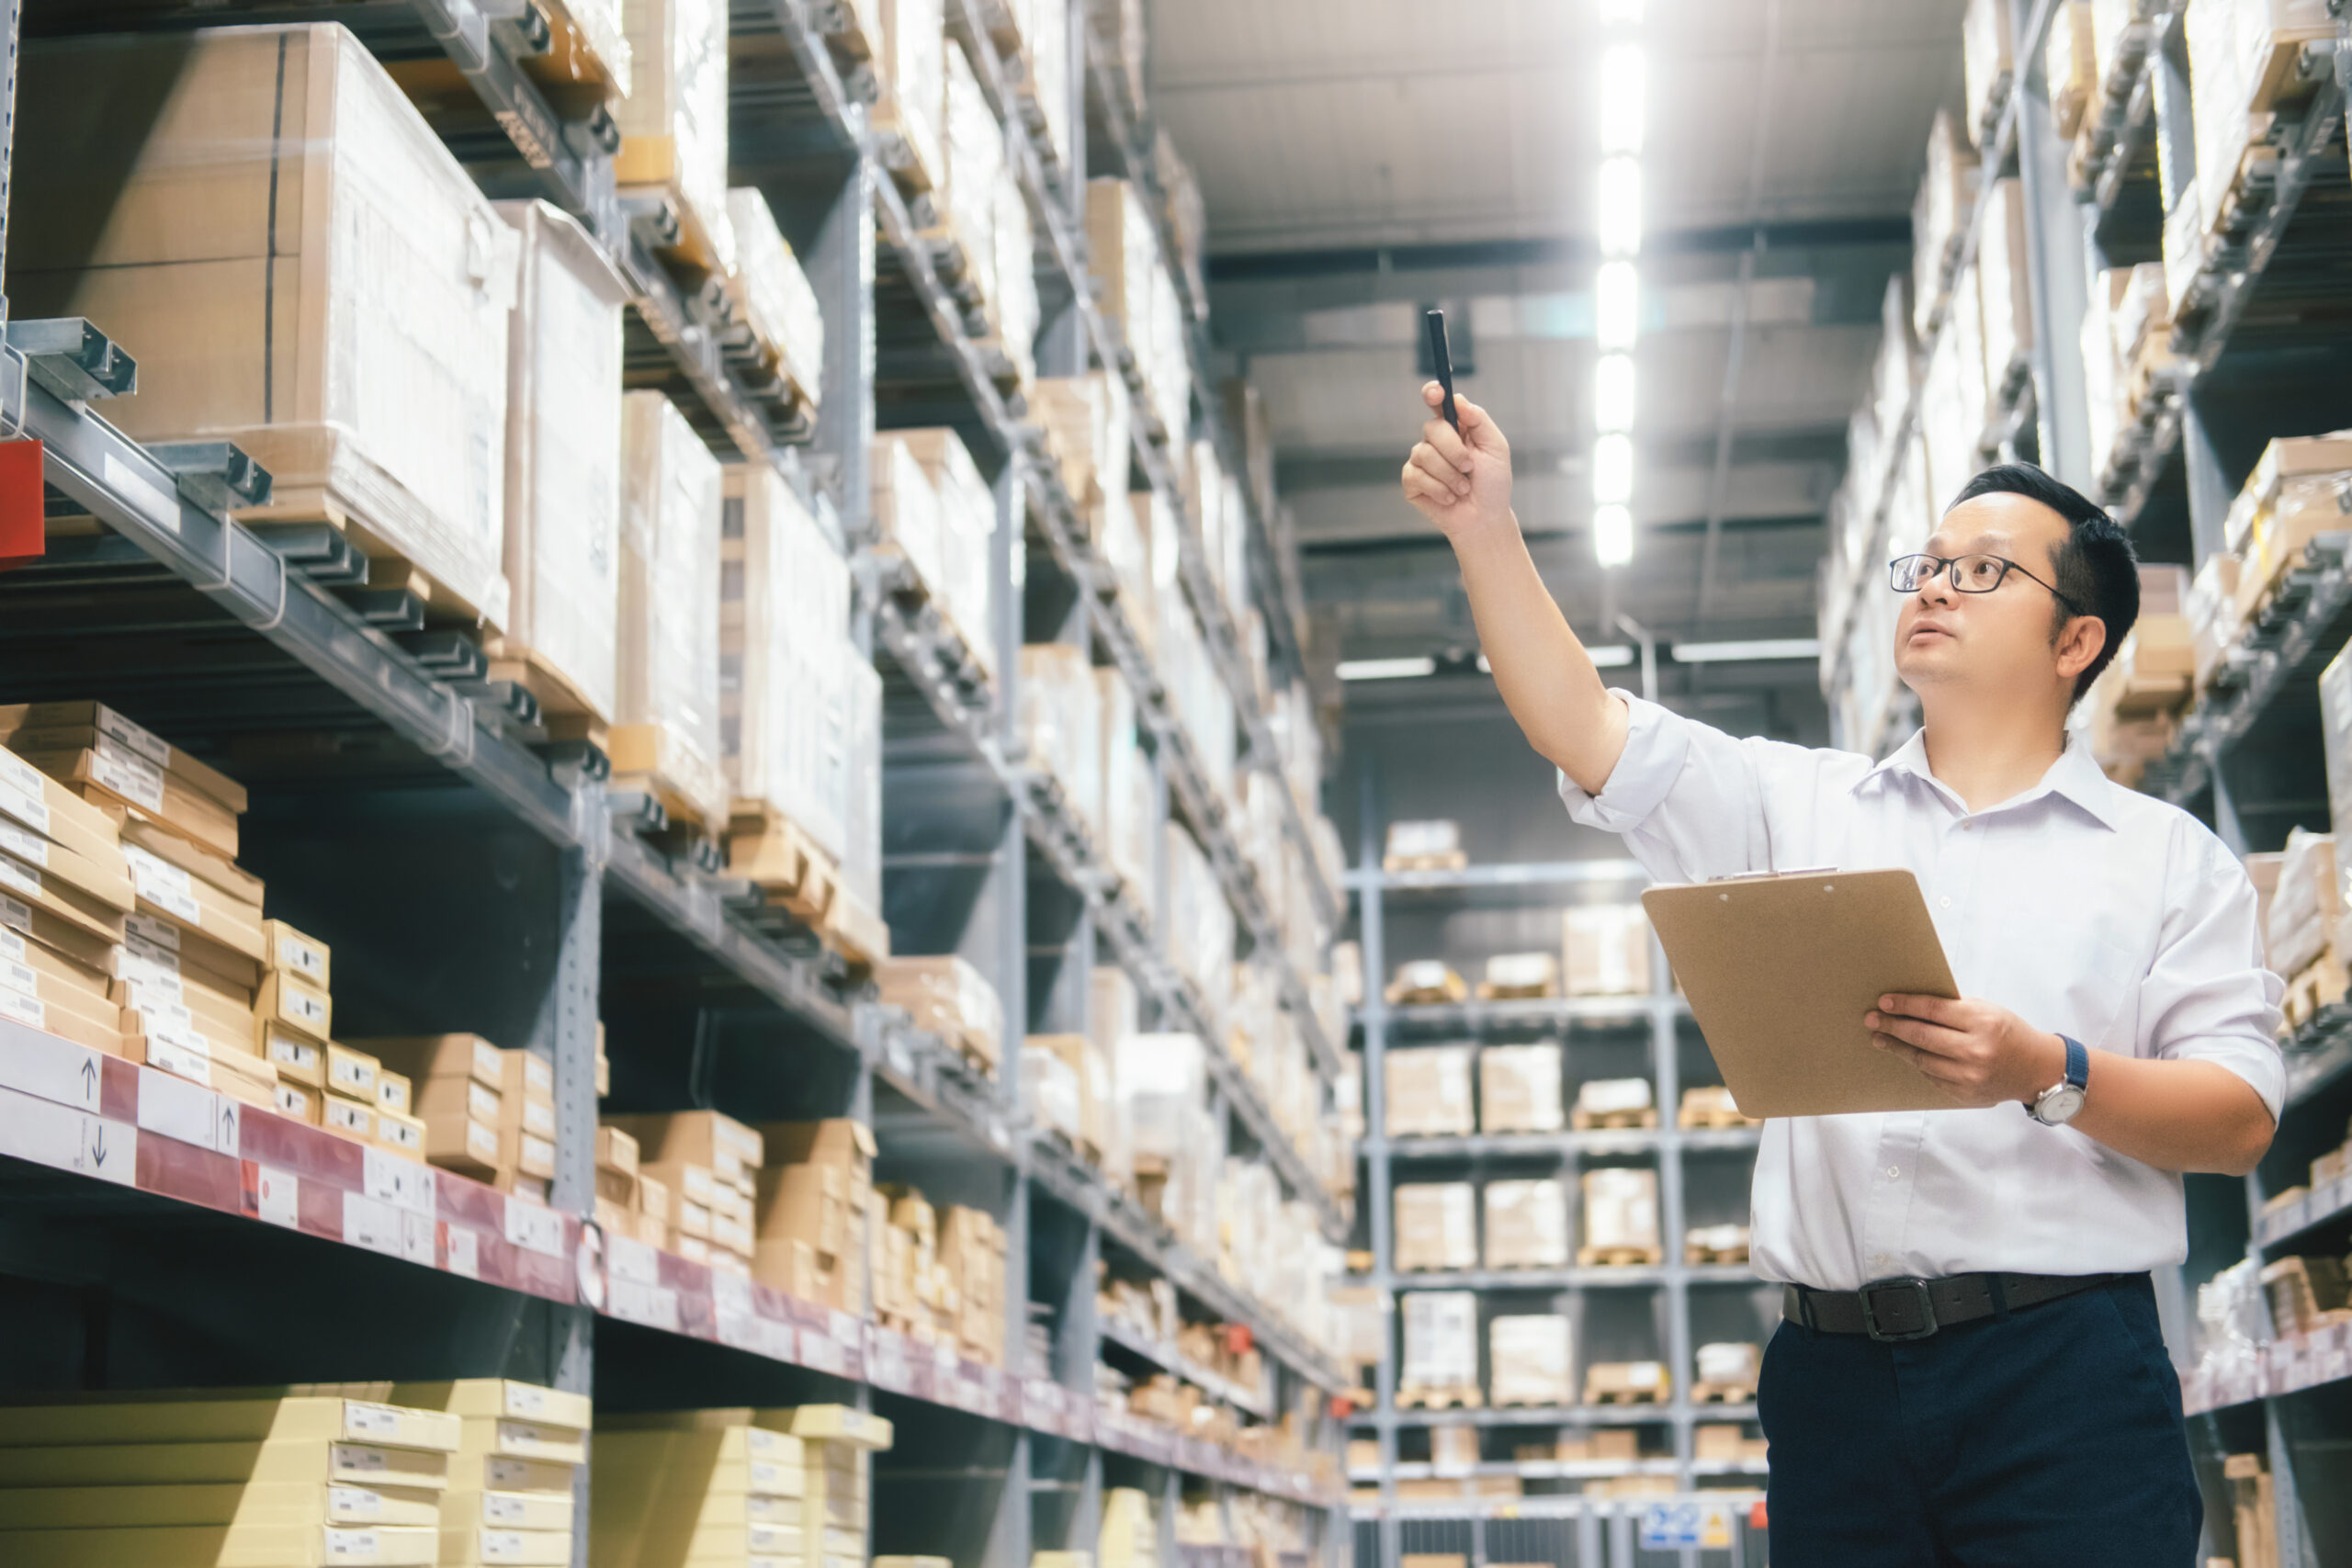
[2085, 909]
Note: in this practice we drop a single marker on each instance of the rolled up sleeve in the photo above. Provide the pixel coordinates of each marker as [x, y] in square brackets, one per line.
[2207, 997]
[1686, 797]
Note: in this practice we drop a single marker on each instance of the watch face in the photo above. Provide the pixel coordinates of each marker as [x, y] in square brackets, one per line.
[2059, 1104]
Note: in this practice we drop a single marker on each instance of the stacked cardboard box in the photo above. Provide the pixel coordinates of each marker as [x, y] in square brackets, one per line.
[743, 1487]
[2307, 905]
[1428, 1091]
[1066, 1085]
[673, 122]
[911, 62]
[972, 1252]
[1440, 1340]
[65, 901]
[1947, 192]
[2135, 701]
[1140, 295]
[1130, 1534]
[1620, 1212]
[1127, 784]
[948, 996]
[1605, 950]
[931, 502]
[2306, 1293]
[2290, 499]
[187, 1480]
[2243, 63]
[773, 303]
[1613, 1103]
[1200, 925]
[1533, 1360]
[1060, 717]
[1113, 1015]
[519, 1451]
[262, 182]
[665, 736]
[1085, 420]
[814, 1194]
[486, 1113]
[707, 1164]
[1519, 1089]
[1173, 1142]
[1437, 1225]
[1527, 1225]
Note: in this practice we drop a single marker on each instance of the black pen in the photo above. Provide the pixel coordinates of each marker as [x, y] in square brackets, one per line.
[1444, 363]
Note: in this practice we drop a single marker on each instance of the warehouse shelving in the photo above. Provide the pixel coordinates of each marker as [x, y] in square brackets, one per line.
[294, 645]
[1575, 1530]
[1660, 1018]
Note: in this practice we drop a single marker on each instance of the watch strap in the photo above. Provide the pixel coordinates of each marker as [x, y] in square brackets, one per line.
[2078, 1061]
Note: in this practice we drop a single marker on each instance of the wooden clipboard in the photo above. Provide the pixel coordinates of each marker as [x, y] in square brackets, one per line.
[1780, 970]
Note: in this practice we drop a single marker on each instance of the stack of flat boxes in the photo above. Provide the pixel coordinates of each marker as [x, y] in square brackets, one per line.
[740, 1488]
[520, 1448]
[708, 1165]
[812, 1225]
[971, 1253]
[485, 1113]
[192, 1479]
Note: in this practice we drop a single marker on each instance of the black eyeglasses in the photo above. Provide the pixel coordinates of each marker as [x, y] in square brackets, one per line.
[1970, 574]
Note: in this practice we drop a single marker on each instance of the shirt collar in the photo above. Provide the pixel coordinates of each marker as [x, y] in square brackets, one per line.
[2076, 775]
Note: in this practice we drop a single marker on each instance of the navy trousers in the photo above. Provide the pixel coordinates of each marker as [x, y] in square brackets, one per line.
[2049, 1436]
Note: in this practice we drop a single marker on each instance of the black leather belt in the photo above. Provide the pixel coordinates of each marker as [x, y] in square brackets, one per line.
[1890, 1311]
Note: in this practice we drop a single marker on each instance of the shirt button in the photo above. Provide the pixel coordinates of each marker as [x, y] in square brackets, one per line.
[1894, 1172]
[1945, 901]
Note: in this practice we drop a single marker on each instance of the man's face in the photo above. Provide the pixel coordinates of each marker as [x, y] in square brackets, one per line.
[1990, 642]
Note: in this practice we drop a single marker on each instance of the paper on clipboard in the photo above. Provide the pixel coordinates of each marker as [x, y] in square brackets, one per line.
[1780, 970]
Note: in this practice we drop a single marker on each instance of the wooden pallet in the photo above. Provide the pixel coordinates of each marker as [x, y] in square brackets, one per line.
[1723, 1394]
[1714, 1254]
[2322, 983]
[1620, 1257]
[684, 236]
[565, 713]
[1452, 860]
[1627, 1395]
[1582, 1120]
[1544, 1399]
[1445, 1396]
[1714, 1119]
[301, 459]
[775, 854]
[1490, 992]
[635, 750]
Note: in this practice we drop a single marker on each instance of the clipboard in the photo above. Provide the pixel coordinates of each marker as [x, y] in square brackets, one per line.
[1779, 969]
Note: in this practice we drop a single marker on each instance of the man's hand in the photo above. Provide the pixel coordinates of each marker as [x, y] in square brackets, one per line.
[1979, 1053]
[1459, 481]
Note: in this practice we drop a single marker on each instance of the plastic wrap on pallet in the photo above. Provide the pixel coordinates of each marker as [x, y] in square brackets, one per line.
[786, 659]
[1015, 292]
[773, 294]
[1127, 784]
[862, 847]
[1533, 1360]
[669, 585]
[1161, 1080]
[1046, 41]
[974, 146]
[564, 454]
[1440, 1339]
[1986, 34]
[906, 509]
[1200, 922]
[673, 122]
[966, 527]
[1527, 1224]
[1060, 716]
[2243, 65]
[2003, 283]
[1126, 549]
[1942, 205]
[299, 266]
[913, 66]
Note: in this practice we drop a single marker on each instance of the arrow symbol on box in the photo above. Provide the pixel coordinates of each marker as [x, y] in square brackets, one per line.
[98, 1146]
[90, 1081]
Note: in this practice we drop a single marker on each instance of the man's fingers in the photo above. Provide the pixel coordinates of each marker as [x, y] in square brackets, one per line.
[1927, 1063]
[1433, 394]
[1917, 1031]
[1442, 474]
[1450, 446]
[1420, 488]
[1477, 425]
[1935, 1009]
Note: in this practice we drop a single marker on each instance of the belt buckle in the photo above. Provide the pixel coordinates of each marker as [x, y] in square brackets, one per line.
[1913, 1289]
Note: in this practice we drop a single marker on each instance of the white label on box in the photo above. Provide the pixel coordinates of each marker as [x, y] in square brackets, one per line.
[352, 1546]
[157, 1012]
[731, 1294]
[293, 1053]
[163, 884]
[18, 976]
[633, 1302]
[15, 873]
[352, 1073]
[138, 738]
[377, 1227]
[190, 1040]
[176, 1108]
[626, 1257]
[487, 1065]
[26, 807]
[277, 1193]
[161, 935]
[291, 1101]
[502, 1546]
[343, 1115]
[503, 1509]
[301, 958]
[302, 1008]
[526, 1400]
[25, 846]
[25, 1010]
[403, 1183]
[355, 1502]
[463, 1251]
[402, 1134]
[133, 777]
[371, 1420]
[534, 1227]
[416, 1237]
[49, 1069]
[142, 964]
[16, 914]
[539, 1118]
[538, 1073]
[11, 945]
[134, 490]
[481, 1104]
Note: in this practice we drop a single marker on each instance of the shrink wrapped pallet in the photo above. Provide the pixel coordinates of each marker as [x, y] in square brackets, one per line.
[673, 122]
[1532, 1360]
[666, 724]
[772, 295]
[2294, 494]
[913, 66]
[2242, 58]
[1140, 295]
[1621, 1210]
[1938, 216]
[963, 527]
[1127, 550]
[949, 997]
[1126, 783]
[1519, 1089]
[785, 661]
[1200, 922]
[2005, 285]
[1437, 1225]
[1440, 1339]
[973, 143]
[1085, 418]
[298, 264]
[1013, 298]
[2306, 905]
[1060, 717]
[563, 481]
[1605, 950]
[1987, 31]
[1527, 1225]
[1426, 1089]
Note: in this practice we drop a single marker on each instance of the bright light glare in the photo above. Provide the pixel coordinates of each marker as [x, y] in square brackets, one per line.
[1387, 668]
[1612, 545]
[1628, 12]
[1612, 393]
[1616, 304]
[1610, 656]
[1619, 213]
[1612, 469]
[1623, 73]
[1746, 652]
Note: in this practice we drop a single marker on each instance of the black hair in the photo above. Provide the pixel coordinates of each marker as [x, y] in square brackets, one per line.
[2097, 570]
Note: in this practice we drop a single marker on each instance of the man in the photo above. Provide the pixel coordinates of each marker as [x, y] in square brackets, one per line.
[2009, 1400]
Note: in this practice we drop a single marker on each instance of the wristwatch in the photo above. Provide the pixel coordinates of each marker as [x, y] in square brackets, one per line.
[2056, 1106]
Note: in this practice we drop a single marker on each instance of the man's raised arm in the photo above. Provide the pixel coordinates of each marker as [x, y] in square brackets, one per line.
[1462, 483]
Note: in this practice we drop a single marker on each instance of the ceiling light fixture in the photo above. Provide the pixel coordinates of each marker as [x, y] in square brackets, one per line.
[1619, 190]
[1387, 669]
[1624, 92]
[1612, 469]
[1612, 545]
[1612, 393]
[1616, 304]
[1609, 656]
[1746, 652]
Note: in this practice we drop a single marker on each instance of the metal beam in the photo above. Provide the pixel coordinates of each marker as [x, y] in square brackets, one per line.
[1287, 266]
[1297, 472]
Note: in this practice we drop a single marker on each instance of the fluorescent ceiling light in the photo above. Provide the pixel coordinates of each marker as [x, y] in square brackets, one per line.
[1616, 655]
[1619, 211]
[1745, 653]
[1627, 11]
[1612, 393]
[1616, 304]
[1387, 668]
[1624, 83]
[1612, 469]
[1612, 545]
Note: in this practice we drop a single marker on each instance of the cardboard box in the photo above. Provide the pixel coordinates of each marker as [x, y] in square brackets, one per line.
[438, 1056]
[1532, 1360]
[666, 720]
[32, 799]
[304, 957]
[294, 1006]
[1436, 1226]
[1605, 950]
[394, 1092]
[1519, 1089]
[721, 1144]
[60, 935]
[354, 1118]
[1428, 1091]
[1527, 1225]
[121, 784]
[402, 1133]
[168, 948]
[351, 1072]
[946, 997]
[302, 1102]
[615, 1150]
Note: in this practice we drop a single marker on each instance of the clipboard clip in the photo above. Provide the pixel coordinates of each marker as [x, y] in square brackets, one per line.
[1763, 875]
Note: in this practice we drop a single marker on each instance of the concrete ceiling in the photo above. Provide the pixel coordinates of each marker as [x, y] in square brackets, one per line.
[1362, 158]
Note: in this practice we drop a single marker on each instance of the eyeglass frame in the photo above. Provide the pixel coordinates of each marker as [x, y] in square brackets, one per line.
[1946, 566]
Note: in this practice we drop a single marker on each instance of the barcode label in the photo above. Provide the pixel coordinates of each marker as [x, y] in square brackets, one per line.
[162, 939]
[25, 1010]
[163, 884]
[15, 873]
[371, 1420]
[14, 914]
[25, 846]
[128, 774]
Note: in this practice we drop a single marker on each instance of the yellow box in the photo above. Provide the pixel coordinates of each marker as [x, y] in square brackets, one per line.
[351, 1072]
[290, 1002]
[285, 949]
